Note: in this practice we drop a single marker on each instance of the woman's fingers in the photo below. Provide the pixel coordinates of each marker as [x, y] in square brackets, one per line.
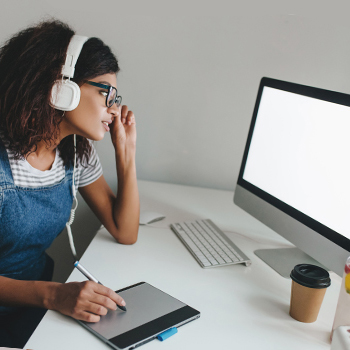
[124, 113]
[86, 301]
[127, 117]
[130, 119]
[107, 297]
[88, 317]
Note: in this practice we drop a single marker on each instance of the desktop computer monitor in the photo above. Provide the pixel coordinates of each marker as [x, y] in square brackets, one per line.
[295, 173]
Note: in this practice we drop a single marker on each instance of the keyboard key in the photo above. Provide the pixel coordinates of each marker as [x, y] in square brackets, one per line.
[227, 259]
[221, 260]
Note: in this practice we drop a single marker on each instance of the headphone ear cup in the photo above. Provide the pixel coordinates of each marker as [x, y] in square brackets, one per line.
[65, 95]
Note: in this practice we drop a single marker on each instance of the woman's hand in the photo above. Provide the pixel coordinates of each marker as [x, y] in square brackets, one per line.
[85, 301]
[119, 214]
[123, 129]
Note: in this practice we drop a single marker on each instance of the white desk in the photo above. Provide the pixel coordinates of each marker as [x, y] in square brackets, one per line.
[243, 307]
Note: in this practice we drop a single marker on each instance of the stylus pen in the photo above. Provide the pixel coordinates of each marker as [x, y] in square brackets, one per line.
[89, 276]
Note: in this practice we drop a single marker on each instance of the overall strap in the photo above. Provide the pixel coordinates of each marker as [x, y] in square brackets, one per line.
[6, 179]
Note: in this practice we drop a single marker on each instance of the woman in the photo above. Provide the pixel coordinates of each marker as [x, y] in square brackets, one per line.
[36, 170]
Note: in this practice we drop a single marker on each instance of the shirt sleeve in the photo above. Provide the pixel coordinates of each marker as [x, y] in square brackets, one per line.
[91, 170]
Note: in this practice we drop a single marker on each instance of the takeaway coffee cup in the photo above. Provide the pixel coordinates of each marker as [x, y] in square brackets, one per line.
[309, 284]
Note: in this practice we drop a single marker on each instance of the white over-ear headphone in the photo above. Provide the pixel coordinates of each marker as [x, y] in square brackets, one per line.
[65, 94]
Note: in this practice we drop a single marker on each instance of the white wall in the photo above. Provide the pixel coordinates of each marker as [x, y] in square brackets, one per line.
[191, 69]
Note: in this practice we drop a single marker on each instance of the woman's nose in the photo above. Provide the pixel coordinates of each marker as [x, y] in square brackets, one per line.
[115, 110]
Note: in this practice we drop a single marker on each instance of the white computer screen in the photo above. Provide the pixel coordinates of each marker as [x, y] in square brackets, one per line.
[300, 154]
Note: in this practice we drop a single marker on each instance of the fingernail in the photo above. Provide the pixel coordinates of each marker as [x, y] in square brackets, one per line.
[123, 303]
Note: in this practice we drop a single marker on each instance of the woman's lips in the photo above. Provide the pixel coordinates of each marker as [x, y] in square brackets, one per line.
[105, 125]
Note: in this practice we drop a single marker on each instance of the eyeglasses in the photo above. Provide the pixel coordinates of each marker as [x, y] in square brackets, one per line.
[112, 95]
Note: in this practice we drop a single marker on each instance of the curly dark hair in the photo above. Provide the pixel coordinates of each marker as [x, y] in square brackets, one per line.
[30, 63]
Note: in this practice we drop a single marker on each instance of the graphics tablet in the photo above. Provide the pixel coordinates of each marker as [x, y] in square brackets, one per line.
[149, 313]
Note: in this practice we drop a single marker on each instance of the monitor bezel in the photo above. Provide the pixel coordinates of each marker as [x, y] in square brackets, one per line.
[317, 93]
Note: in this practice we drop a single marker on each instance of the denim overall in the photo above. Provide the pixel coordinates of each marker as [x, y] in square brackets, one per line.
[30, 219]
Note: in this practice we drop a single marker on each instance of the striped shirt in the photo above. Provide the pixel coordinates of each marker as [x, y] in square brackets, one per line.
[24, 175]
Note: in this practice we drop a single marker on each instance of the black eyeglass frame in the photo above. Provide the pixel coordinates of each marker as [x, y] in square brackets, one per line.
[117, 100]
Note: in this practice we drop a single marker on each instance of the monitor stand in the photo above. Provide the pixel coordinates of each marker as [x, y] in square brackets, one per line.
[283, 260]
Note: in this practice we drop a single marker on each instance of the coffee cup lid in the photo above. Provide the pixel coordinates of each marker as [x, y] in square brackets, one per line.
[311, 276]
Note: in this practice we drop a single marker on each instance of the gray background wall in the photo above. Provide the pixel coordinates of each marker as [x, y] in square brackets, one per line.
[190, 72]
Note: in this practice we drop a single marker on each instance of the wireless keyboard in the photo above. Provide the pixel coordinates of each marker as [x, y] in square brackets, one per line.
[208, 244]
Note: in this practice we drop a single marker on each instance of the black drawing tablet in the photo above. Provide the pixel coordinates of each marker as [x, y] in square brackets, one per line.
[149, 313]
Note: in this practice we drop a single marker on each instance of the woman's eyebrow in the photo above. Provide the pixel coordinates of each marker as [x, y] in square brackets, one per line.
[105, 83]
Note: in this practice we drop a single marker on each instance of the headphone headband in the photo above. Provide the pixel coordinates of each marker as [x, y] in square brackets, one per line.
[73, 51]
